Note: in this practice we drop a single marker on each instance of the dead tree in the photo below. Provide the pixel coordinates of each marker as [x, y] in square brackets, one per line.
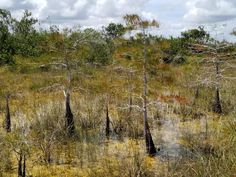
[214, 67]
[8, 115]
[134, 22]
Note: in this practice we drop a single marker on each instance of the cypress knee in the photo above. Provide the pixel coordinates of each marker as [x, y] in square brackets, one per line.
[69, 118]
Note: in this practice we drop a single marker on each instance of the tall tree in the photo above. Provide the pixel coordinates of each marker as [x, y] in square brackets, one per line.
[198, 35]
[134, 22]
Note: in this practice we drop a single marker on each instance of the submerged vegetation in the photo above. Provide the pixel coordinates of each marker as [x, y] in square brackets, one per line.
[82, 102]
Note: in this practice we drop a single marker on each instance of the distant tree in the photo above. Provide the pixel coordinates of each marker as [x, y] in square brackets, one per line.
[53, 39]
[27, 39]
[100, 53]
[6, 40]
[134, 22]
[234, 32]
[100, 48]
[198, 35]
[115, 30]
[175, 47]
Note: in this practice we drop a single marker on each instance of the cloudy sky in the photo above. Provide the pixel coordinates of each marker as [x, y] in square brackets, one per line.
[218, 16]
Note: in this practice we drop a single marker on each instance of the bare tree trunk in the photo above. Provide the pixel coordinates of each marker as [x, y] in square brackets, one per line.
[107, 122]
[24, 166]
[20, 166]
[150, 147]
[69, 122]
[130, 104]
[217, 103]
[130, 94]
[197, 92]
[8, 116]
[47, 155]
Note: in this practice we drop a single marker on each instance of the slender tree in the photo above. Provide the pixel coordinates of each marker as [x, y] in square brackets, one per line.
[134, 22]
[70, 127]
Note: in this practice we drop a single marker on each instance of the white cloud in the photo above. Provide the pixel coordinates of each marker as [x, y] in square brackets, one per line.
[173, 15]
[72, 11]
[205, 11]
[5, 3]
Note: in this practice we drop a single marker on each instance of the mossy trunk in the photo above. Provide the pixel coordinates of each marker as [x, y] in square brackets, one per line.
[69, 118]
[8, 116]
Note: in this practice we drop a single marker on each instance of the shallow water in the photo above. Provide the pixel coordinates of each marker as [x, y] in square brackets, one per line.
[169, 136]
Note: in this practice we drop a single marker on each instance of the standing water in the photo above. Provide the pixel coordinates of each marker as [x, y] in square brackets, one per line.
[168, 137]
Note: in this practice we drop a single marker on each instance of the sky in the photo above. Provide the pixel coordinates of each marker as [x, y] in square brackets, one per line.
[174, 16]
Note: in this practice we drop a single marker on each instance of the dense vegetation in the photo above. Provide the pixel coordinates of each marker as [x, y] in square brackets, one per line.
[81, 102]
